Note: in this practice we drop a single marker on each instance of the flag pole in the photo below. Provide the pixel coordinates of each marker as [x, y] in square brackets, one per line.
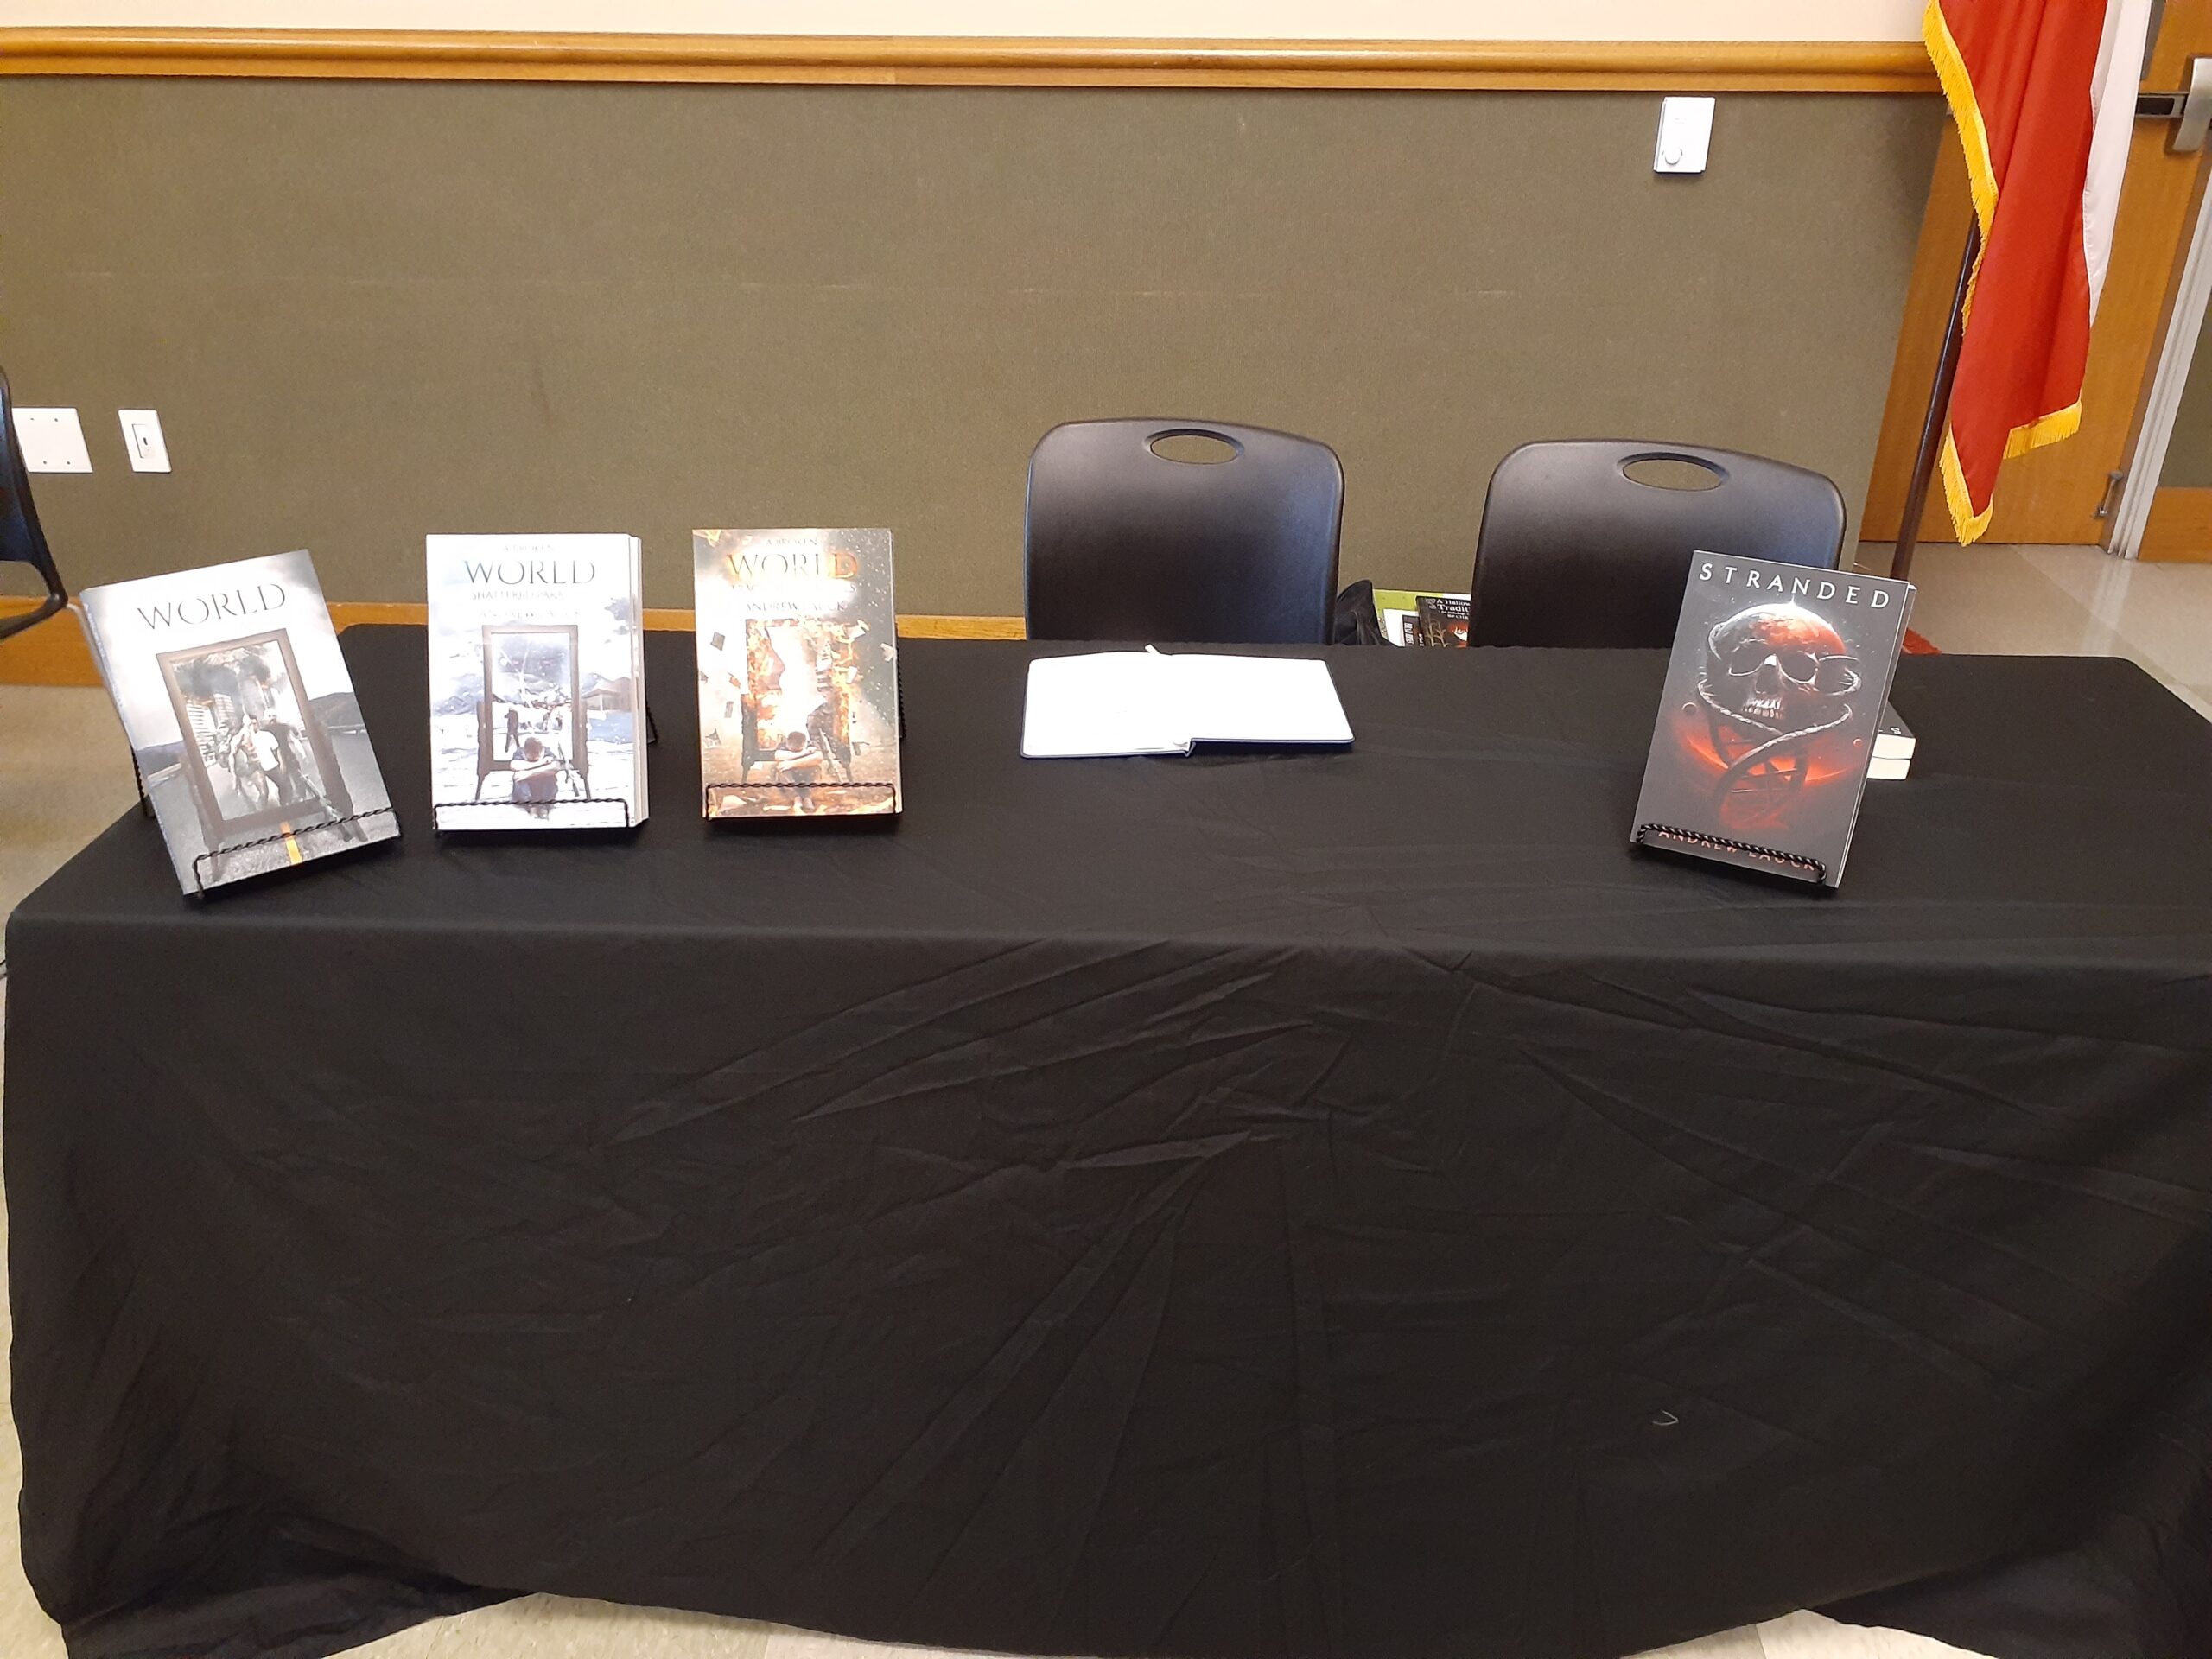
[1939, 410]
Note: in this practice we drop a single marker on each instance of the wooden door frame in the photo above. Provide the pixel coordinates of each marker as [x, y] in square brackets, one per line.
[2152, 520]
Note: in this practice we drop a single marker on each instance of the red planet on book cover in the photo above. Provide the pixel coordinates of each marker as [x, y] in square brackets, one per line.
[1773, 700]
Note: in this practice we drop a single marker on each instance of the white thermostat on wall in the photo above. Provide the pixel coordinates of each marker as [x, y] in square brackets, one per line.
[1684, 135]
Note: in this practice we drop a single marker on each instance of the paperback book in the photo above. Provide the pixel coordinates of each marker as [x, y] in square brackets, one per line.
[241, 716]
[537, 682]
[1408, 618]
[1773, 702]
[1893, 746]
[1443, 618]
[799, 673]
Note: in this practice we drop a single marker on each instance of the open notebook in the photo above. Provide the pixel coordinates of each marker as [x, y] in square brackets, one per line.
[1148, 702]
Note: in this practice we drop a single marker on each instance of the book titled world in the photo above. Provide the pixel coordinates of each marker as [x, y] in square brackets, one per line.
[537, 682]
[1770, 719]
[240, 714]
[799, 673]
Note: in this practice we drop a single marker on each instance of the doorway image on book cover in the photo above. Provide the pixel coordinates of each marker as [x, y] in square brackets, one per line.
[519, 712]
[531, 727]
[257, 759]
[806, 721]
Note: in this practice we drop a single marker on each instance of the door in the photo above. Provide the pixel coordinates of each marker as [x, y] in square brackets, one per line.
[2062, 494]
[2164, 509]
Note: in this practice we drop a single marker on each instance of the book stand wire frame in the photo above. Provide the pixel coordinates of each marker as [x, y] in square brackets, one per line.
[198, 878]
[652, 736]
[628, 823]
[230, 847]
[708, 786]
[1665, 835]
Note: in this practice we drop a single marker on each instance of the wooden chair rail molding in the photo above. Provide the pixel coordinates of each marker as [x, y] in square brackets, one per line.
[54, 652]
[961, 60]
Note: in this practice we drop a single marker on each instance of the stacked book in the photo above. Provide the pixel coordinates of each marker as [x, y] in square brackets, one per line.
[537, 682]
[1892, 746]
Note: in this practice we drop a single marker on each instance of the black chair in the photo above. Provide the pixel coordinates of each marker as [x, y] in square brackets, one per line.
[21, 540]
[1123, 542]
[1574, 551]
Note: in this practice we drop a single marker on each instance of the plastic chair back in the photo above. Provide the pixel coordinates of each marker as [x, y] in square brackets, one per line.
[21, 540]
[1124, 542]
[1574, 551]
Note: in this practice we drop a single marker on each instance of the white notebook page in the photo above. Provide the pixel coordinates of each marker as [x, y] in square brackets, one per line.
[1145, 702]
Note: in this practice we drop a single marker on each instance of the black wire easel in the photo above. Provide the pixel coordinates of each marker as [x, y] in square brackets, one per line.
[230, 849]
[628, 823]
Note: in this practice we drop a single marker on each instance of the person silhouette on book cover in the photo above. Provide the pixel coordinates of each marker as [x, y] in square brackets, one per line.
[799, 763]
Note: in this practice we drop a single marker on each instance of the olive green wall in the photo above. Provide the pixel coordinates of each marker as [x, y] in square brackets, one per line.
[367, 311]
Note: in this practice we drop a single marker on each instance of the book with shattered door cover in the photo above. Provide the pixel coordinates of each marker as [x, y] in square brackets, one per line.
[799, 673]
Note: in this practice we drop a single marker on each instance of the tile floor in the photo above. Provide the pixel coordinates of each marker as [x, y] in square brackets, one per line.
[63, 775]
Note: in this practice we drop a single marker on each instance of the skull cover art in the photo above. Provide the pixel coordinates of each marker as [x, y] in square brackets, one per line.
[1778, 693]
[1773, 697]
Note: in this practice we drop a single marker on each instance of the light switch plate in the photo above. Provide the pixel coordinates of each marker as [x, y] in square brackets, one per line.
[1684, 135]
[52, 441]
[142, 441]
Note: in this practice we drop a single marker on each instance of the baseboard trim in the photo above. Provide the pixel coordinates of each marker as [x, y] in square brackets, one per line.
[54, 651]
[967, 61]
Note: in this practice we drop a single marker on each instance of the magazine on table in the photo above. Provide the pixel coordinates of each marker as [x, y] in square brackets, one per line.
[799, 673]
[1773, 707]
[537, 682]
[241, 715]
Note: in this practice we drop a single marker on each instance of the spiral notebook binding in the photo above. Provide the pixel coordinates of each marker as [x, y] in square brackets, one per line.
[1696, 840]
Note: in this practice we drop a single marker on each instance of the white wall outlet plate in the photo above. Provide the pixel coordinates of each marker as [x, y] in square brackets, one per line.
[1684, 135]
[52, 441]
[142, 441]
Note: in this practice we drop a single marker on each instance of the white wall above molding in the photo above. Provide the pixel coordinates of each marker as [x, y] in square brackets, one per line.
[1411, 19]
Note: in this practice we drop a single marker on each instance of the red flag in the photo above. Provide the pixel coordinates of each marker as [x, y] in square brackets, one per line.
[2043, 94]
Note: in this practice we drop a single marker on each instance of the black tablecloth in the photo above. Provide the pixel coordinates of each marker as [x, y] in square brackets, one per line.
[1254, 1205]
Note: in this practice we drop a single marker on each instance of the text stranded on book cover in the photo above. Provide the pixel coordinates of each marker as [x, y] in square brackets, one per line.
[799, 673]
[1773, 697]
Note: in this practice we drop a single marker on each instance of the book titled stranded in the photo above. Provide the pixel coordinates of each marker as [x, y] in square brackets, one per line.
[537, 682]
[799, 673]
[241, 715]
[1772, 708]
